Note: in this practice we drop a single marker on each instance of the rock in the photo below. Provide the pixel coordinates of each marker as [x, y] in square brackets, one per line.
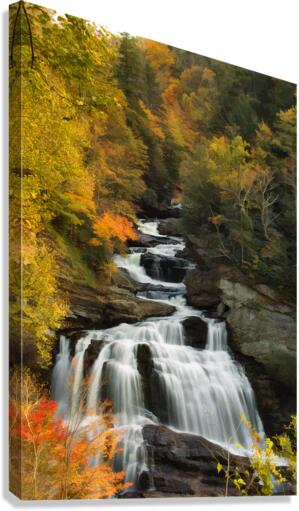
[202, 289]
[154, 400]
[262, 328]
[98, 308]
[174, 212]
[184, 464]
[148, 241]
[123, 280]
[262, 334]
[86, 306]
[164, 483]
[145, 368]
[161, 210]
[130, 494]
[196, 331]
[158, 292]
[273, 406]
[170, 227]
[169, 269]
[130, 309]
[199, 249]
[91, 354]
[222, 310]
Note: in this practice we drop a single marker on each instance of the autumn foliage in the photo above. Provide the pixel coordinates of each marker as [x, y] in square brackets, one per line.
[114, 124]
[60, 460]
[111, 227]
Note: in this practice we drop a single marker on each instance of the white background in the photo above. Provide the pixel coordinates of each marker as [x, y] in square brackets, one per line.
[261, 35]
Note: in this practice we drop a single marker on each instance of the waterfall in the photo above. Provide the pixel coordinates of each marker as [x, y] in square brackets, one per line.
[217, 336]
[60, 375]
[150, 228]
[204, 391]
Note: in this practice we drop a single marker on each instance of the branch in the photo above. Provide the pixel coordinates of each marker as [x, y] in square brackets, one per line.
[22, 5]
[30, 34]
[13, 34]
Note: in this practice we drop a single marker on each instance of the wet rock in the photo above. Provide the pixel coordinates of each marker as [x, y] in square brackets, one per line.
[184, 464]
[164, 483]
[182, 445]
[154, 400]
[145, 368]
[148, 241]
[130, 309]
[196, 331]
[130, 494]
[202, 289]
[168, 269]
[91, 354]
[170, 227]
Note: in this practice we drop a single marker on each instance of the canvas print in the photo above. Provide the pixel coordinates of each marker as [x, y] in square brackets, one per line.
[152, 268]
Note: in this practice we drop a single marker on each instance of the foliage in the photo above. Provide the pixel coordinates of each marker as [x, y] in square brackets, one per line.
[113, 124]
[57, 458]
[263, 474]
[245, 194]
[80, 163]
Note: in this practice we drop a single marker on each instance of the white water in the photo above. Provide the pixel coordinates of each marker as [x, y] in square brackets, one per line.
[150, 228]
[205, 391]
[132, 264]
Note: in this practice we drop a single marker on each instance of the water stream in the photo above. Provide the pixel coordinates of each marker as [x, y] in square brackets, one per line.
[204, 391]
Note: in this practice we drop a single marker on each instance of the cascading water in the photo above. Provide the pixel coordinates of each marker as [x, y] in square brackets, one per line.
[60, 387]
[204, 391]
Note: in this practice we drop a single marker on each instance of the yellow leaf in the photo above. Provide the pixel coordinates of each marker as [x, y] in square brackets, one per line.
[219, 467]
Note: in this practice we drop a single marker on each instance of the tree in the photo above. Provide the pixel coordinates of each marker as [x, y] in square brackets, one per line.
[60, 460]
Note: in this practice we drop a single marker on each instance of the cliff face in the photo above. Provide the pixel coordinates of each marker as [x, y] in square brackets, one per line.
[91, 307]
[263, 327]
[262, 331]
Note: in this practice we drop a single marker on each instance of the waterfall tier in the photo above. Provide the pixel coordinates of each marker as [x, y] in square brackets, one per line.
[202, 391]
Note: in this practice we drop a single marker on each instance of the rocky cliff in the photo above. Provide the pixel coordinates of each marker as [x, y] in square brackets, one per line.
[261, 326]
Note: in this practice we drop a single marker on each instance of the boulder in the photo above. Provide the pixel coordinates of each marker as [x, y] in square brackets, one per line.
[202, 289]
[96, 308]
[148, 241]
[199, 249]
[122, 279]
[169, 269]
[130, 494]
[126, 308]
[154, 400]
[86, 307]
[184, 464]
[164, 483]
[196, 330]
[91, 354]
[158, 292]
[170, 227]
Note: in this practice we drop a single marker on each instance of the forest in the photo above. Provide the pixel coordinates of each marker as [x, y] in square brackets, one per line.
[115, 128]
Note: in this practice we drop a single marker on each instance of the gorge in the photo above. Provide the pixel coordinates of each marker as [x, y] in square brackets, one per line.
[154, 377]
